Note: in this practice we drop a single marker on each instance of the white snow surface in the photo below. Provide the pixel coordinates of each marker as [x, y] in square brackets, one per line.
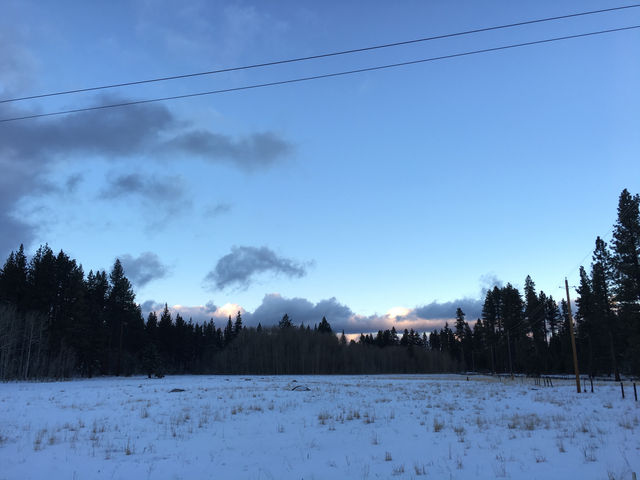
[343, 427]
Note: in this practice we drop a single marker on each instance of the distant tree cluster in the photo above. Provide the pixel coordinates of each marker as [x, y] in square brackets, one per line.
[55, 323]
[609, 297]
[529, 332]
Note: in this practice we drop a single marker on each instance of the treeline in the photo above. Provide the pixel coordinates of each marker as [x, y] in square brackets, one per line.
[529, 332]
[517, 333]
[56, 323]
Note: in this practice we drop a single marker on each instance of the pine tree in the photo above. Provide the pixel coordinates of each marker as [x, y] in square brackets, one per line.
[460, 344]
[460, 323]
[165, 339]
[97, 287]
[324, 326]
[587, 331]
[601, 286]
[404, 340]
[13, 280]
[228, 332]
[552, 315]
[122, 313]
[285, 322]
[492, 324]
[393, 340]
[512, 312]
[626, 261]
[534, 317]
[237, 326]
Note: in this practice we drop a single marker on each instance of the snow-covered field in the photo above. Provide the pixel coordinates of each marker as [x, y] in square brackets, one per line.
[354, 427]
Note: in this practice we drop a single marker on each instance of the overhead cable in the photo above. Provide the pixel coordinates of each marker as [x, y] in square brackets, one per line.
[318, 56]
[317, 77]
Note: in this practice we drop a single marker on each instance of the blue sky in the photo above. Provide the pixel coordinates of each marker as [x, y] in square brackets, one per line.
[383, 197]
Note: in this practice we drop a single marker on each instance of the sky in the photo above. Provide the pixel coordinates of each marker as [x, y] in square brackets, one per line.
[376, 199]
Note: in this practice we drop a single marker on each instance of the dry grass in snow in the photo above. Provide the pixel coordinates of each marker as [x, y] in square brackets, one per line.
[342, 427]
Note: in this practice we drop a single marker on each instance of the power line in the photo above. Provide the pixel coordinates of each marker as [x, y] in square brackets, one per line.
[318, 56]
[317, 77]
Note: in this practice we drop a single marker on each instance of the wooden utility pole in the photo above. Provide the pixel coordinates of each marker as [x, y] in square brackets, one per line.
[573, 337]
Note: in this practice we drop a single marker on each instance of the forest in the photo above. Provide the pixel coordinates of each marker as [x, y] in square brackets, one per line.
[57, 322]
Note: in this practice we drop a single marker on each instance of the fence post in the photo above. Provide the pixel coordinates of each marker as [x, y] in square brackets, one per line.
[622, 389]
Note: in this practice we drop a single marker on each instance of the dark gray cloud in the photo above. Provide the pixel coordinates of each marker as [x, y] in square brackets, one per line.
[158, 189]
[339, 315]
[424, 319]
[300, 310]
[73, 181]
[149, 306]
[17, 62]
[14, 233]
[472, 308]
[144, 268]
[161, 196]
[16, 182]
[239, 267]
[30, 149]
[251, 152]
[198, 313]
[212, 211]
[112, 133]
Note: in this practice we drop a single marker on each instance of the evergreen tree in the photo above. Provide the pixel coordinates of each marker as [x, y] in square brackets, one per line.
[460, 323]
[237, 326]
[516, 353]
[165, 338]
[404, 340]
[601, 288]
[285, 322]
[228, 332]
[460, 337]
[13, 280]
[97, 288]
[394, 336]
[324, 326]
[535, 320]
[121, 314]
[552, 315]
[151, 328]
[151, 363]
[588, 328]
[626, 262]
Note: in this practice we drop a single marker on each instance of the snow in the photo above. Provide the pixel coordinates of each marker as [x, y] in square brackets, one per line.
[413, 426]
